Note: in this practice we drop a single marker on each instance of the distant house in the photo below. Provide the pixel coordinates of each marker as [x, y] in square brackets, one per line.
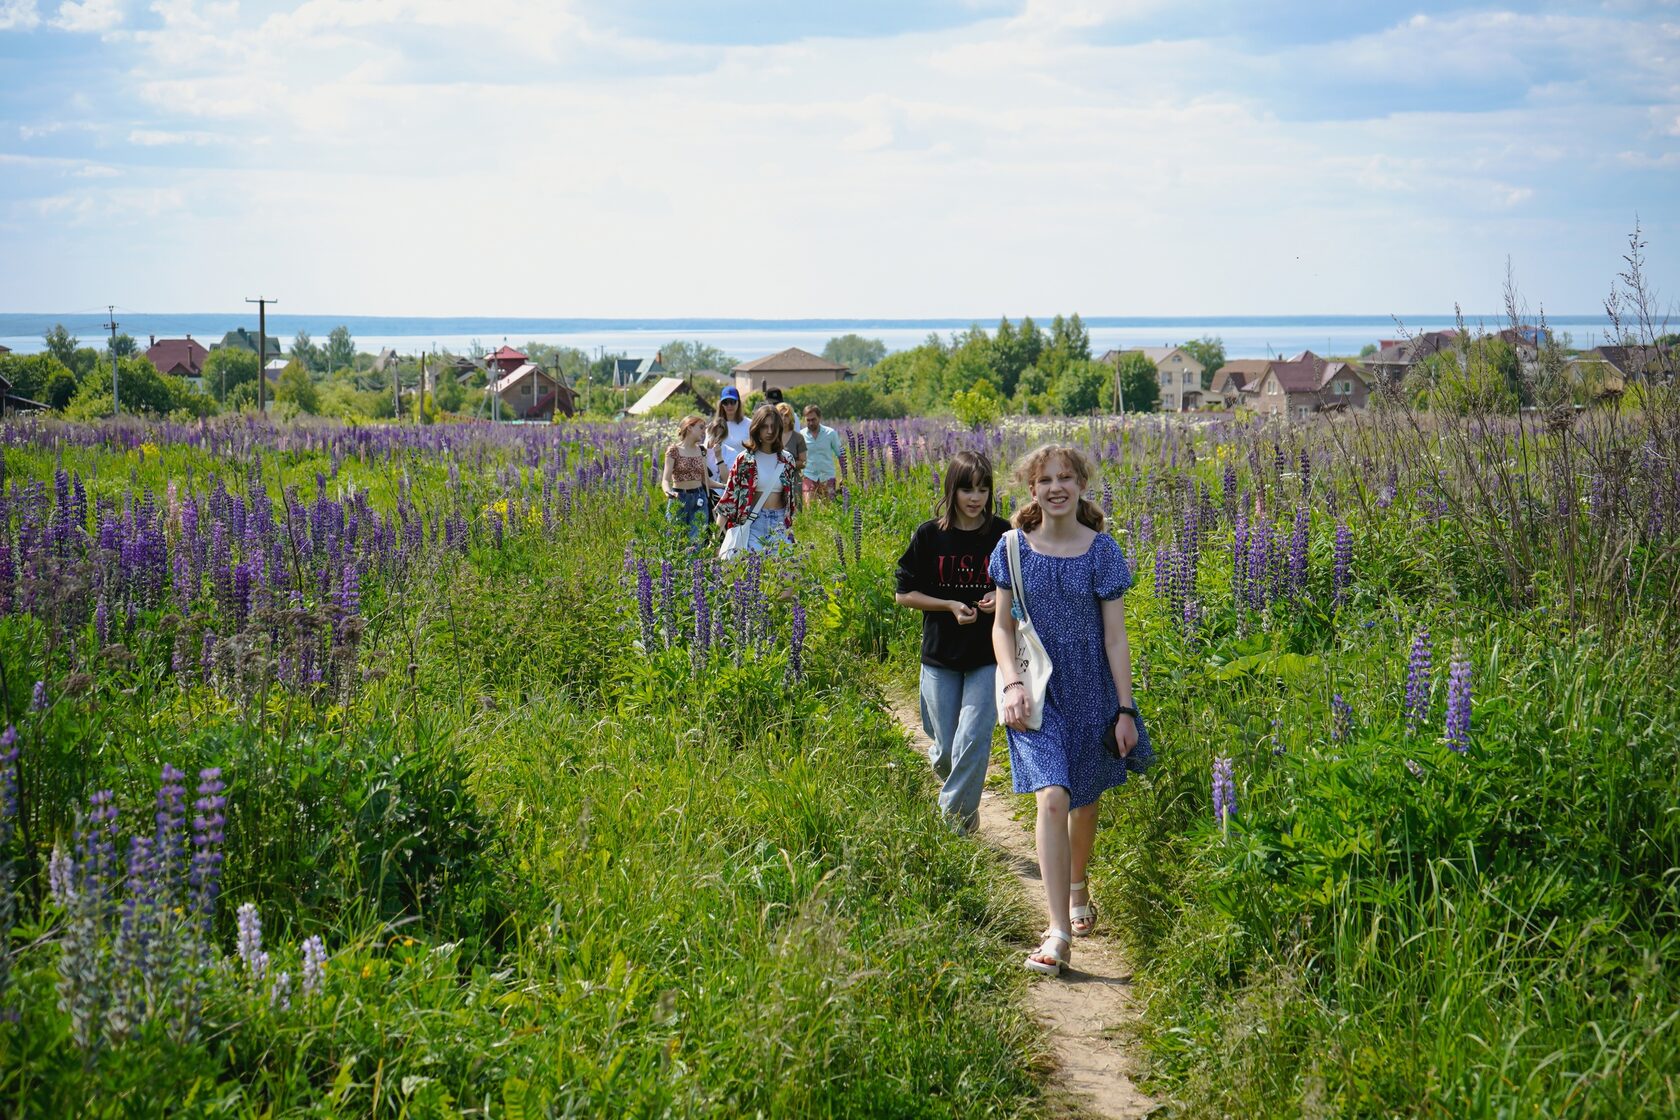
[1235, 378]
[241, 339]
[634, 371]
[275, 367]
[1179, 375]
[1396, 356]
[178, 357]
[10, 402]
[1606, 370]
[670, 389]
[787, 369]
[527, 392]
[1300, 386]
[561, 400]
[504, 361]
[5, 349]
[385, 360]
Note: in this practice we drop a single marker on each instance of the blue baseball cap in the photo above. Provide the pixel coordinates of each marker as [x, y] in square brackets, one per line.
[730, 393]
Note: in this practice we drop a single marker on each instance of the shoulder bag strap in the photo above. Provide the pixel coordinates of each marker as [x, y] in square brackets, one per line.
[1015, 572]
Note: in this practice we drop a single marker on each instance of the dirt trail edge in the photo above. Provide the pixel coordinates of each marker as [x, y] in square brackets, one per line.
[1086, 1013]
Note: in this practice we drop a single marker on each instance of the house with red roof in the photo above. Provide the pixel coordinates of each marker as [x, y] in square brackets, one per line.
[504, 361]
[178, 357]
[527, 392]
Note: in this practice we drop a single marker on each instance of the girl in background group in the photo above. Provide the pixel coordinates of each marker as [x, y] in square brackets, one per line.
[687, 478]
[728, 431]
[762, 469]
[1072, 577]
[943, 574]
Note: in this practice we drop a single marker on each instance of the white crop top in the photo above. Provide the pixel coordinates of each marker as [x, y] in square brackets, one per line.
[769, 472]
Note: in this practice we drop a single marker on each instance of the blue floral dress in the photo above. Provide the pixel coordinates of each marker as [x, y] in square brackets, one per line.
[1065, 595]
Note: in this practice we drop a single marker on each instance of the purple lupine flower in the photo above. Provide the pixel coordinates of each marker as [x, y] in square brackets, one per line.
[1230, 484]
[840, 547]
[250, 940]
[1306, 471]
[1458, 706]
[38, 701]
[1298, 550]
[280, 993]
[1107, 499]
[1343, 562]
[796, 645]
[1417, 683]
[668, 601]
[314, 966]
[857, 534]
[644, 604]
[1277, 735]
[1341, 719]
[1224, 791]
[61, 877]
[207, 836]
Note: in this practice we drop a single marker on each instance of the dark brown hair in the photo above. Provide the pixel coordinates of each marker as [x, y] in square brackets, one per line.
[764, 414]
[967, 470]
[1030, 516]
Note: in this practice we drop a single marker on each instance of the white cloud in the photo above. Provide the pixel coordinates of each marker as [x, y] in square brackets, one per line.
[159, 138]
[88, 15]
[19, 15]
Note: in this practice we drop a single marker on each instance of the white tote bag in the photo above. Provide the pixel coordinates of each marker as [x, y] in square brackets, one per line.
[735, 540]
[1032, 661]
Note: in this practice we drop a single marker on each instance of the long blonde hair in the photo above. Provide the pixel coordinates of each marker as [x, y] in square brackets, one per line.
[1030, 516]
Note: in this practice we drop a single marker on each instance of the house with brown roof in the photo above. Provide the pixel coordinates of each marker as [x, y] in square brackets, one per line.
[787, 369]
[527, 392]
[178, 357]
[1396, 356]
[1606, 370]
[1237, 377]
[1178, 374]
[1297, 387]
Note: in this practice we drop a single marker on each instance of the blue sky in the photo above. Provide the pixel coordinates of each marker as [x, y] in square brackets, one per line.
[746, 158]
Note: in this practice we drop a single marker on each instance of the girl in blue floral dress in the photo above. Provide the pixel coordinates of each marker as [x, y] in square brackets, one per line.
[1072, 577]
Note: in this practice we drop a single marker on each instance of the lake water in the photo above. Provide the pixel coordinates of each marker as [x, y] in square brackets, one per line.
[1251, 336]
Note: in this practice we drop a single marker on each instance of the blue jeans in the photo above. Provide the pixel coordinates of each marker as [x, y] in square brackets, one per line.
[690, 507]
[767, 529]
[958, 711]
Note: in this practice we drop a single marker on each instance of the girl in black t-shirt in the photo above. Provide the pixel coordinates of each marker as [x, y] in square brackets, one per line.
[943, 574]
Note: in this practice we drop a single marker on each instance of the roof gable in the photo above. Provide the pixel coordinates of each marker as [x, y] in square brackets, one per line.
[791, 360]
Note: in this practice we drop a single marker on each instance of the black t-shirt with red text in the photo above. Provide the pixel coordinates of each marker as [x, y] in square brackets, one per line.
[951, 564]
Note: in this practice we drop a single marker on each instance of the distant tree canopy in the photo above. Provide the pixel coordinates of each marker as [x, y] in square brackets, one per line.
[1031, 371]
[30, 374]
[1140, 383]
[141, 389]
[122, 345]
[685, 357]
[341, 349]
[61, 344]
[854, 351]
[226, 369]
[296, 386]
[1208, 350]
[304, 350]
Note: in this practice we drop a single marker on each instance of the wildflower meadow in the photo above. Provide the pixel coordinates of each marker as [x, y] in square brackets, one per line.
[428, 771]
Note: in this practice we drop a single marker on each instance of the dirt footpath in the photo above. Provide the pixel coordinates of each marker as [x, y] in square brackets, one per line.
[1087, 1013]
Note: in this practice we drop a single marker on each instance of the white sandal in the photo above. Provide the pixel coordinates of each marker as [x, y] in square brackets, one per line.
[1060, 961]
[1086, 913]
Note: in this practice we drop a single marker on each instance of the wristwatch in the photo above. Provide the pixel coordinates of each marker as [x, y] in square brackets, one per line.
[1125, 711]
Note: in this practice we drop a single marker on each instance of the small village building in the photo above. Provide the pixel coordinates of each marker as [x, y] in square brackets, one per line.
[636, 371]
[10, 402]
[274, 368]
[1234, 378]
[241, 339]
[504, 361]
[4, 349]
[526, 392]
[1605, 371]
[787, 369]
[561, 400]
[1177, 373]
[384, 360]
[1395, 357]
[1297, 387]
[668, 389]
[178, 357]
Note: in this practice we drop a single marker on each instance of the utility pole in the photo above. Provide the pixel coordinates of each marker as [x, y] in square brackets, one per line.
[111, 325]
[262, 347]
